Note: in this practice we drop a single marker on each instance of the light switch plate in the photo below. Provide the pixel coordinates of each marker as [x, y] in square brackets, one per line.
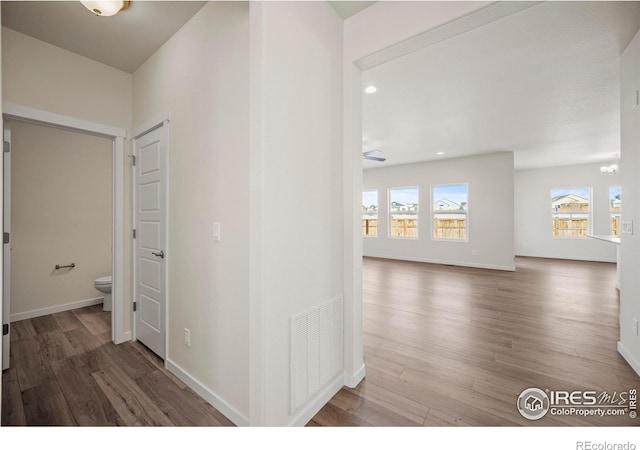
[216, 232]
[627, 227]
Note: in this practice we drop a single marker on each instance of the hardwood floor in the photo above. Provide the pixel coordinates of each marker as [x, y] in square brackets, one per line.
[443, 345]
[450, 346]
[66, 371]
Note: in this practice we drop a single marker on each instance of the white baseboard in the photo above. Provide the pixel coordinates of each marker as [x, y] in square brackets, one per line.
[56, 309]
[633, 362]
[126, 336]
[509, 268]
[302, 417]
[571, 258]
[352, 381]
[216, 401]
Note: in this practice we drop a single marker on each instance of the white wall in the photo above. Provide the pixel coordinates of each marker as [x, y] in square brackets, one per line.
[297, 79]
[61, 212]
[41, 76]
[533, 212]
[629, 344]
[490, 223]
[201, 76]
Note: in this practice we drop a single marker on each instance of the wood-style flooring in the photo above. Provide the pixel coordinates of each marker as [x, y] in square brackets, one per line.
[443, 345]
[450, 346]
[64, 370]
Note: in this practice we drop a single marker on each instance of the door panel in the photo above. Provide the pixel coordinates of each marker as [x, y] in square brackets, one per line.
[150, 197]
[150, 312]
[150, 223]
[149, 235]
[150, 159]
[150, 274]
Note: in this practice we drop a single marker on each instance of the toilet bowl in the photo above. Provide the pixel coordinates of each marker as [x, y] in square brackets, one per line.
[103, 284]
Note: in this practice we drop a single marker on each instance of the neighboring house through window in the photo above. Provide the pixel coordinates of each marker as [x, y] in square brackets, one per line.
[450, 211]
[403, 211]
[571, 212]
[370, 213]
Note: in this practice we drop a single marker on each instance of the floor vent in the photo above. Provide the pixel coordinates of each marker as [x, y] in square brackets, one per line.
[316, 350]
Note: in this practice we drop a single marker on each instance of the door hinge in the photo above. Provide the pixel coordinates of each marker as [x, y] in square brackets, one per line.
[133, 160]
[134, 233]
[5, 329]
[6, 237]
[135, 306]
[7, 146]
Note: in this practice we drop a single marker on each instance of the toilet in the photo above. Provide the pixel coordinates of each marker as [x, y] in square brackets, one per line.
[104, 285]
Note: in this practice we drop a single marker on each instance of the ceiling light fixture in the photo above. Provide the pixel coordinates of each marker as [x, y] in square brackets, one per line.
[440, 153]
[370, 89]
[105, 7]
[612, 168]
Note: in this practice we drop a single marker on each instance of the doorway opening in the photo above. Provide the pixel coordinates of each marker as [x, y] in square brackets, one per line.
[20, 115]
[61, 220]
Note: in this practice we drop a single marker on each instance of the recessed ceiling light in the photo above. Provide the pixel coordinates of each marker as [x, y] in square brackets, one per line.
[440, 153]
[370, 89]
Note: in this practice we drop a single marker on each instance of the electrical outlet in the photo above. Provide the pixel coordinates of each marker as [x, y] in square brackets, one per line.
[474, 252]
[627, 227]
[187, 337]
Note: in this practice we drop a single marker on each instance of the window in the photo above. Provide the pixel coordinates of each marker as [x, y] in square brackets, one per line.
[403, 208]
[614, 209]
[370, 213]
[450, 211]
[570, 212]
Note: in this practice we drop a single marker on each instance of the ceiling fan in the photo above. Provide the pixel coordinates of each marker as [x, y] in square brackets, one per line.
[367, 155]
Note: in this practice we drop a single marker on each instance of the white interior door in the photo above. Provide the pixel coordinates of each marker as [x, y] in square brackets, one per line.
[150, 224]
[6, 247]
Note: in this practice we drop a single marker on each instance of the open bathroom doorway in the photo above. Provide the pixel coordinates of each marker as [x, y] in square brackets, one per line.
[67, 210]
[61, 220]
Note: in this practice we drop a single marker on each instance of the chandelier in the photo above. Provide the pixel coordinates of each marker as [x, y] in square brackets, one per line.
[612, 168]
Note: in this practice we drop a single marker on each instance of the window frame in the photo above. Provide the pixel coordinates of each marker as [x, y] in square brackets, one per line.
[589, 214]
[389, 213]
[432, 214]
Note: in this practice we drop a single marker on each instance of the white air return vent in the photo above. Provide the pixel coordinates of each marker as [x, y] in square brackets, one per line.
[316, 350]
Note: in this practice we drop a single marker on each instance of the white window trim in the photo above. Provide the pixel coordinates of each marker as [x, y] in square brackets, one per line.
[432, 213]
[589, 228]
[390, 227]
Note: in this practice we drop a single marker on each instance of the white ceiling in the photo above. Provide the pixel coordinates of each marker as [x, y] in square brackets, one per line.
[543, 83]
[347, 9]
[123, 41]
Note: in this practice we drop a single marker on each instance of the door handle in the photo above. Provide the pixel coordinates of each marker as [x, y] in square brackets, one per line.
[161, 254]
